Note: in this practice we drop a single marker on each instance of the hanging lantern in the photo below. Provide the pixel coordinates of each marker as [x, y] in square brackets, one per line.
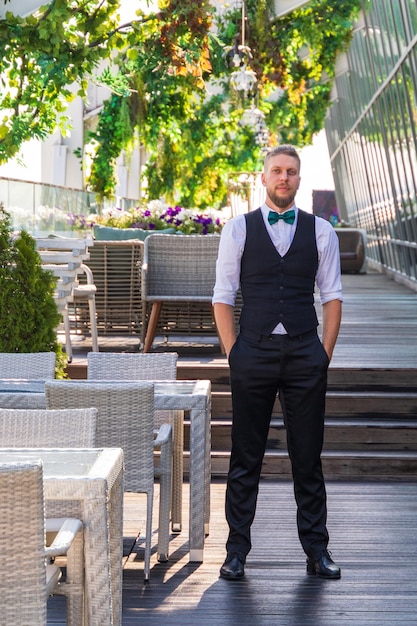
[255, 118]
[243, 79]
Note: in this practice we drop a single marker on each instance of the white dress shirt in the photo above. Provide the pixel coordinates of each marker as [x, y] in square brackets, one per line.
[232, 243]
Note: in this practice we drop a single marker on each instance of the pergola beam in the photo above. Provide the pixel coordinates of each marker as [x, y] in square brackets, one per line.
[25, 7]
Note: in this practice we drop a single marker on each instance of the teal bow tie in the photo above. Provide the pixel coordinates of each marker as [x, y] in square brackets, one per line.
[288, 217]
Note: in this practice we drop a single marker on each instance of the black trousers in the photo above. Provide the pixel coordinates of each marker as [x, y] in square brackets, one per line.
[296, 368]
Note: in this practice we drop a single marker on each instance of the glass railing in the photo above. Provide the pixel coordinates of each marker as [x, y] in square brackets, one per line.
[371, 130]
[43, 209]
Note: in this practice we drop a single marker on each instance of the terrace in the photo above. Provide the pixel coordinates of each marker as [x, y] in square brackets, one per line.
[370, 461]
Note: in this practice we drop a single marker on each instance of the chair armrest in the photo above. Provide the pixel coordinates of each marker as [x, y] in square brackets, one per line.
[144, 275]
[88, 273]
[164, 435]
[66, 535]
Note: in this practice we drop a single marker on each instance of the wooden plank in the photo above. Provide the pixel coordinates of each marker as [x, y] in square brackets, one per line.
[341, 403]
[372, 530]
[339, 434]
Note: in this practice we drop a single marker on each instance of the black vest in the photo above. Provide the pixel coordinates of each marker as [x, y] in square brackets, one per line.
[275, 288]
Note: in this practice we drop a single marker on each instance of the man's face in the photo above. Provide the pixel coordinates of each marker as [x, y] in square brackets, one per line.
[281, 178]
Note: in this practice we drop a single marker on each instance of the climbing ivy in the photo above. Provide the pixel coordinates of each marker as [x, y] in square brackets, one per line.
[182, 108]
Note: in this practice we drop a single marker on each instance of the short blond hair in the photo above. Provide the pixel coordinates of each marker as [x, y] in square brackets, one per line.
[284, 148]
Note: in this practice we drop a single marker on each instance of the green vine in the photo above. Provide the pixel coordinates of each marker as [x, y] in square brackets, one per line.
[194, 137]
[113, 134]
[41, 57]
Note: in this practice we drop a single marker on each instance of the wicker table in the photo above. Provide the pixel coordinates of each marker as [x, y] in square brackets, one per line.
[88, 484]
[184, 395]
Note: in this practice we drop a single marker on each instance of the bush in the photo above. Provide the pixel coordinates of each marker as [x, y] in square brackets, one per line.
[28, 311]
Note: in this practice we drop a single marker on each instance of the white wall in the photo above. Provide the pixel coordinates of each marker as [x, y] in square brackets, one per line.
[316, 171]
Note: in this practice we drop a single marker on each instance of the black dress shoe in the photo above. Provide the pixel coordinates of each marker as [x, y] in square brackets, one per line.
[323, 566]
[234, 566]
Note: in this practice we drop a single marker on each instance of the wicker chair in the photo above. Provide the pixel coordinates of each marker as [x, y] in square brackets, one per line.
[65, 257]
[85, 292]
[157, 366]
[116, 269]
[177, 269]
[43, 428]
[126, 419]
[33, 365]
[27, 577]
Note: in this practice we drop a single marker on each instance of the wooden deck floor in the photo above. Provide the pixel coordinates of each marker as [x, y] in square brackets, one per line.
[373, 529]
[379, 323]
[379, 329]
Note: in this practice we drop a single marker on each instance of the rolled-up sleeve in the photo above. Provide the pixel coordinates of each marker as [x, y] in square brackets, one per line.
[328, 274]
[231, 247]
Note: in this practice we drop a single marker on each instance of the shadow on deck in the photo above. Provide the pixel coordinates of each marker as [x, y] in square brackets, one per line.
[372, 529]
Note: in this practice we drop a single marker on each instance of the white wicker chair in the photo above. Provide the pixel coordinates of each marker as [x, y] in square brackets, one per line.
[33, 365]
[155, 366]
[126, 419]
[43, 428]
[84, 292]
[180, 269]
[65, 257]
[26, 577]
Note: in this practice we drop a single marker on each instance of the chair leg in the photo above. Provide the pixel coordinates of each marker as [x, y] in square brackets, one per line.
[68, 346]
[73, 587]
[75, 580]
[93, 322]
[165, 468]
[153, 323]
[177, 471]
[148, 537]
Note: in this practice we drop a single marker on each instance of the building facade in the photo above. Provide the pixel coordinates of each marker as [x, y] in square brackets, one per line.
[371, 131]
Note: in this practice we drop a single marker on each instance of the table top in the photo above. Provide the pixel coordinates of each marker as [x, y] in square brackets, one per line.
[66, 462]
[162, 387]
[22, 385]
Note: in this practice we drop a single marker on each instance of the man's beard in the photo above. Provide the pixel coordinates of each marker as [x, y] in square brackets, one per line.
[282, 202]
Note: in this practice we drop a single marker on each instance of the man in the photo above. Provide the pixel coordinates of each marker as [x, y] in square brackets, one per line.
[277, 254]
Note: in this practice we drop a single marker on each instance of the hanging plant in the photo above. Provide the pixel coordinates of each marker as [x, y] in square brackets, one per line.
[195, 138]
